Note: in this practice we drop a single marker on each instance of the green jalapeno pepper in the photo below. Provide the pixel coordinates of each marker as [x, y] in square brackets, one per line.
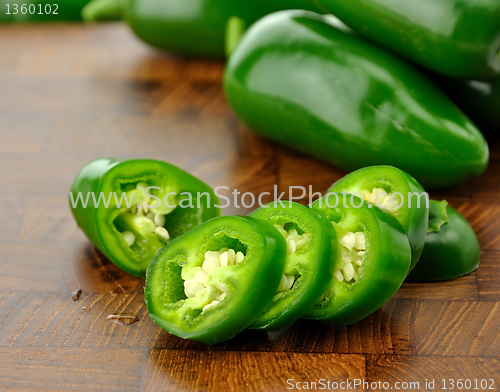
[311, 256]
[396, 193]
[373, 259]
[458, 38]
[31, 11]
[130, 209]
[214, 281]
[298, 78]
[190, 27]
[451, 246]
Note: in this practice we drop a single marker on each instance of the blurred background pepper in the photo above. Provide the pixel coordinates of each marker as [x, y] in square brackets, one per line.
[457, 38]
[194, 27]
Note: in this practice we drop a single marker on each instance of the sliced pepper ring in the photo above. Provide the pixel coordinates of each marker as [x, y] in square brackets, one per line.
[372, 262]
[311, 256]
[129, 235]
[378, 184]
[236, 262]
[451, 246]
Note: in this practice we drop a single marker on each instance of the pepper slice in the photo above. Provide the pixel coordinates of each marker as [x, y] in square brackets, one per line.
[129, 235]
[214, 281]
[311, 256]
[409, 205]
[451, 246]
[299, 78]
[457, 38]
[373, 259]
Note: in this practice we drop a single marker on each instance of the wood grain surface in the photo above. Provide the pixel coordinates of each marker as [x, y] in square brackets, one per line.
[71, 93]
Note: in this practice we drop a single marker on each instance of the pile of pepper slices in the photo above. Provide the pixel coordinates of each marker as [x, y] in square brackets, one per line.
[337, 260]
[393, 91]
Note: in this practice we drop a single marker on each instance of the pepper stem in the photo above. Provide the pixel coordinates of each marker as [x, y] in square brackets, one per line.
[438, 216]
[235, 30]
[102, 10]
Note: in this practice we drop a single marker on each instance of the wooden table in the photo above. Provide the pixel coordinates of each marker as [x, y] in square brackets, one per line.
[71, 93]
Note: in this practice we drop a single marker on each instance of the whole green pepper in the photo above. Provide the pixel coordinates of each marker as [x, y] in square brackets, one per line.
[451, 246]
[190, 27]
[372, 262]
[130, 209]
[212, 282]
[28, 11]
[311, 256]
[297, 78]
[457, 38]
[398, 194]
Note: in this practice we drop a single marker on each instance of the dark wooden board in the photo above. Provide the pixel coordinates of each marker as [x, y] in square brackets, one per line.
[71, 93]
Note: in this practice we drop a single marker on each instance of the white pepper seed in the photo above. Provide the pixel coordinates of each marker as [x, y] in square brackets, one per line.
[129, 237]
[360, 241]
[224, 259]
[201, 276]
[210, 264]
[348, 271]
[159, 220]
[348, 241]
[163, 233]
[239, 257]
[192, 287]
[291, 247]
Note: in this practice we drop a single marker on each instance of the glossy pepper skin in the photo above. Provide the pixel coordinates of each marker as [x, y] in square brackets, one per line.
[457, 38]
[103, 226]
[192, 27]
[312, 265]
[251, 283]
[60, 10]
[385, 264]
[413, 202]
[451, 246]
[298, 79]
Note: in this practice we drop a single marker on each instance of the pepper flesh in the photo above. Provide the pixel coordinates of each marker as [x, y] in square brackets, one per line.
[379, 185]
[382, 268]
[247, 287]
[311, 256]
[125, 234]
[298, 78]
[457, 38]
[451, 246]
[194, 27]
